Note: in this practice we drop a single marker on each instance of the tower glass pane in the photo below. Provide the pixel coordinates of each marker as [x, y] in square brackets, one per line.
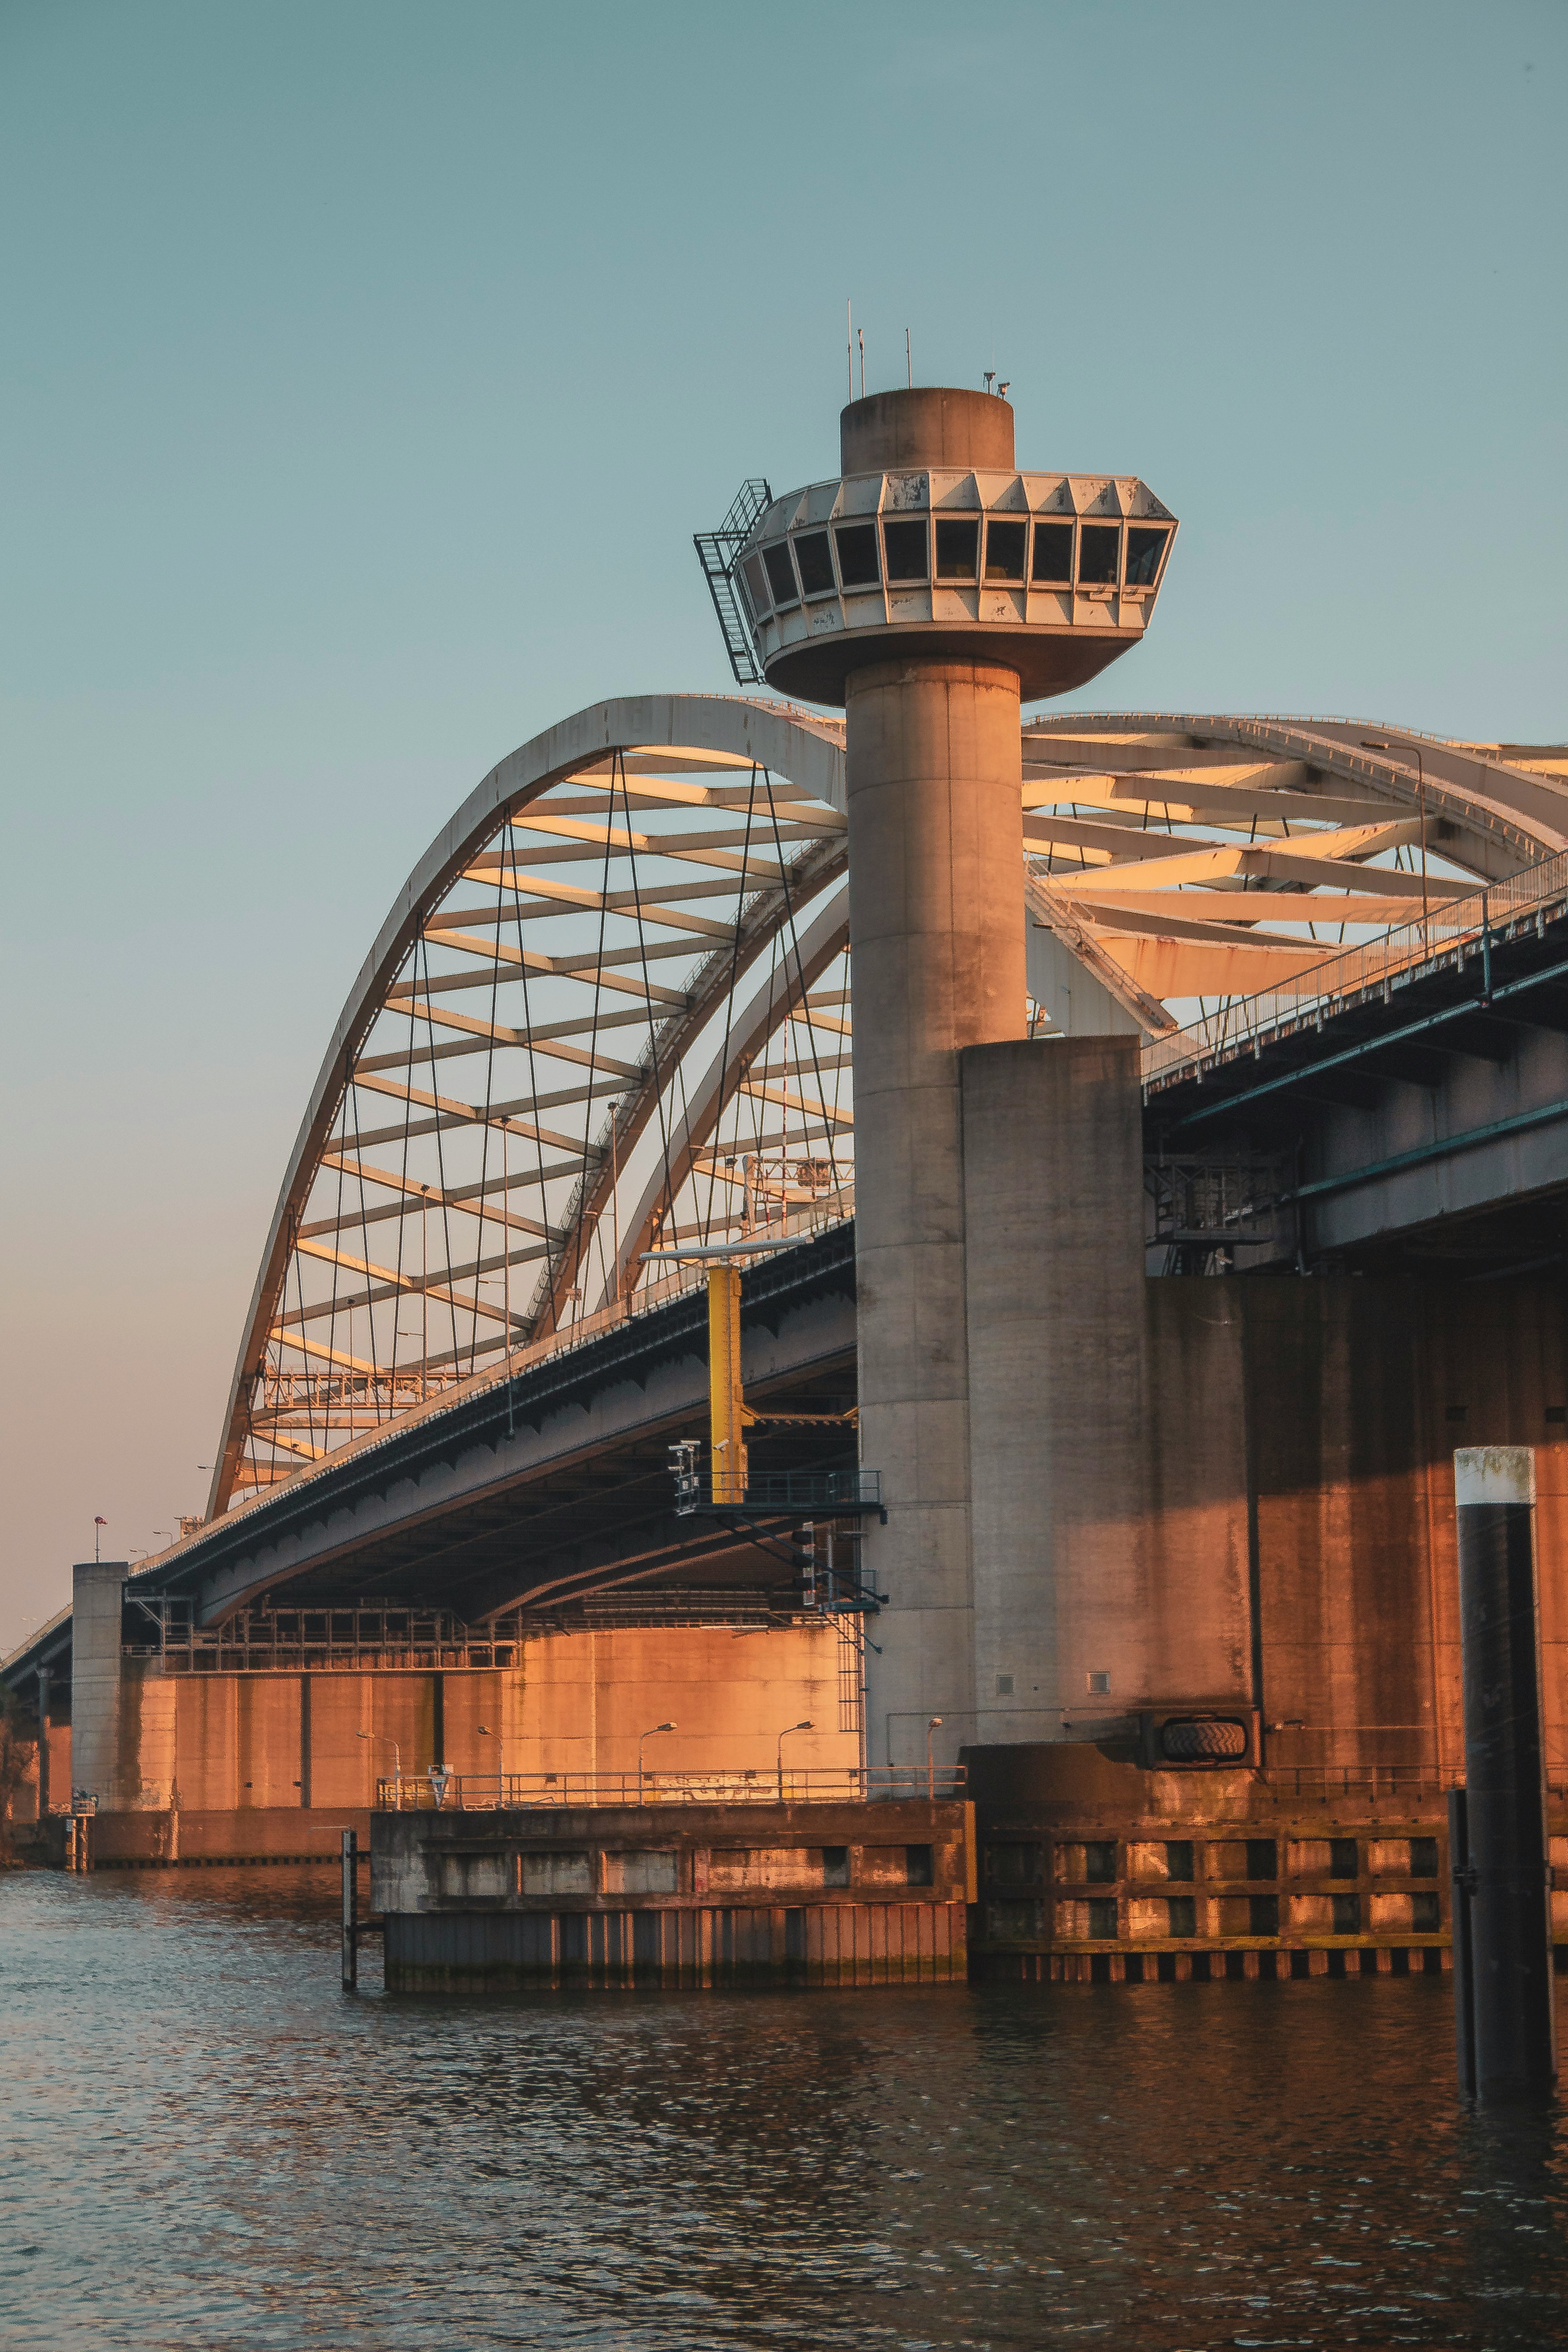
[1005, 551]
[957, 548]
[908, 548]
[814, 564]
[1144, 548]
[1098, 551]
[857, 566]
[1053, 551]
[781, 574]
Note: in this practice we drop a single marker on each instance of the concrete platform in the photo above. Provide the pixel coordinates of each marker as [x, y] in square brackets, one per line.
[850, 1893]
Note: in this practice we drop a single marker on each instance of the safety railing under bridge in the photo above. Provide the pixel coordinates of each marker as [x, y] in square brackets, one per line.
[848, 1493]
[438, 1790]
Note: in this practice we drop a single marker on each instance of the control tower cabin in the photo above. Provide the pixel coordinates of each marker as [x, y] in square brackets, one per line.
[929, 589]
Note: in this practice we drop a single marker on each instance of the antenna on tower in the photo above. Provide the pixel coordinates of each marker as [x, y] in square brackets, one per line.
[849, 345]
[908, 360]
[860, 337]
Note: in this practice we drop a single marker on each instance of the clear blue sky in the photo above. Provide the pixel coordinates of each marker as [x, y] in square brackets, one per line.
[367, 366]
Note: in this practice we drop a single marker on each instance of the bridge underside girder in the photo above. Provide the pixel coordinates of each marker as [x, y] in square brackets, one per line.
[602, 1521]
[537, 1494]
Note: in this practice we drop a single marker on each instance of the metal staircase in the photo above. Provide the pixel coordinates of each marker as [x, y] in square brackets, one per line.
[716, 551]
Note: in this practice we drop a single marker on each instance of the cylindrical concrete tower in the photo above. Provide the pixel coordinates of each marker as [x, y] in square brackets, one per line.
[927, 589]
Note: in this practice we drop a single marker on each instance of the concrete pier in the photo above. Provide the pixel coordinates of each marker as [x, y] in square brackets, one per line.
[1059, 1391]
[847, 1894]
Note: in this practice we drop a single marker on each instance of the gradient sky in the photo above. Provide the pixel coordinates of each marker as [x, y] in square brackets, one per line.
[367, 366]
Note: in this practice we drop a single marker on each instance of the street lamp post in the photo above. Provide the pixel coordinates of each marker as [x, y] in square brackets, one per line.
[934, 1724]
[1370, 743]
[377, 1739]
[783, 1734]
[647, 1735]
[500, 1737]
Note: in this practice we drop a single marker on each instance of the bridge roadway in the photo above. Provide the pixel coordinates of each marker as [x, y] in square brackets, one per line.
[1409, 1118]
[530, 1493]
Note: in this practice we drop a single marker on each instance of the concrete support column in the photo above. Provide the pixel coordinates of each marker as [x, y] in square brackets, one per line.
[43, 1743]
[934, 778]
[97, 1675]
[1053, 1156]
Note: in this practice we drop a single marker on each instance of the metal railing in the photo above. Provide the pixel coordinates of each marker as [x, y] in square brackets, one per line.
[468, 1792]
[1453, 931]
[782, 1490]
[1373, 1779]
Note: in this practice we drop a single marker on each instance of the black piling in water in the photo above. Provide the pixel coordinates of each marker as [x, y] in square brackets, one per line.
[1464, 1954]
[351, 1912]
[1502, 1881]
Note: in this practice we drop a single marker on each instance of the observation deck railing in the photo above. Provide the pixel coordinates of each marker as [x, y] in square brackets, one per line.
[470, 1792]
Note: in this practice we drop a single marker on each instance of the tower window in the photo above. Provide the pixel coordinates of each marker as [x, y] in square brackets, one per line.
[1005, 551]
[815, 564]
[781, 574]
[1098, 551]
[1144, 548]
[908, 549]
[957, 549]
[857, 566]
[1053, 551]
[756, 581]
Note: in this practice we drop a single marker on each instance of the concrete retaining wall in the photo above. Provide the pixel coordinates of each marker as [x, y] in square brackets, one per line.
[846, 1893]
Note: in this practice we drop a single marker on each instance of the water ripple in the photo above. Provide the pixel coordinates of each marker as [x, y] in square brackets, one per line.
[207, 2146]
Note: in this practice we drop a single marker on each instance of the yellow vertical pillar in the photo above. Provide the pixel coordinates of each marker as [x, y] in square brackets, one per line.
[727, 1411]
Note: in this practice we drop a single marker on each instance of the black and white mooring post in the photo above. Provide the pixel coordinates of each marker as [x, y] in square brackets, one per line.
[1502, 1898]
[351, 1912]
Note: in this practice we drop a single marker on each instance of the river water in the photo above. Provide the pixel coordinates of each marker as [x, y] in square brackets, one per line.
[203, 2143]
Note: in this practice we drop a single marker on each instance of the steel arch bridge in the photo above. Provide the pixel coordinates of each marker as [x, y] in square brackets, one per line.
[610, 1014]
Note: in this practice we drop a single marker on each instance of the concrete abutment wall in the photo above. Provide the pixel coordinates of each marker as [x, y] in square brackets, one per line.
[196, 1765]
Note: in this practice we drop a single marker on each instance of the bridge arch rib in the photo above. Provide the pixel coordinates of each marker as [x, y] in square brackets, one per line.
[630, 877]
